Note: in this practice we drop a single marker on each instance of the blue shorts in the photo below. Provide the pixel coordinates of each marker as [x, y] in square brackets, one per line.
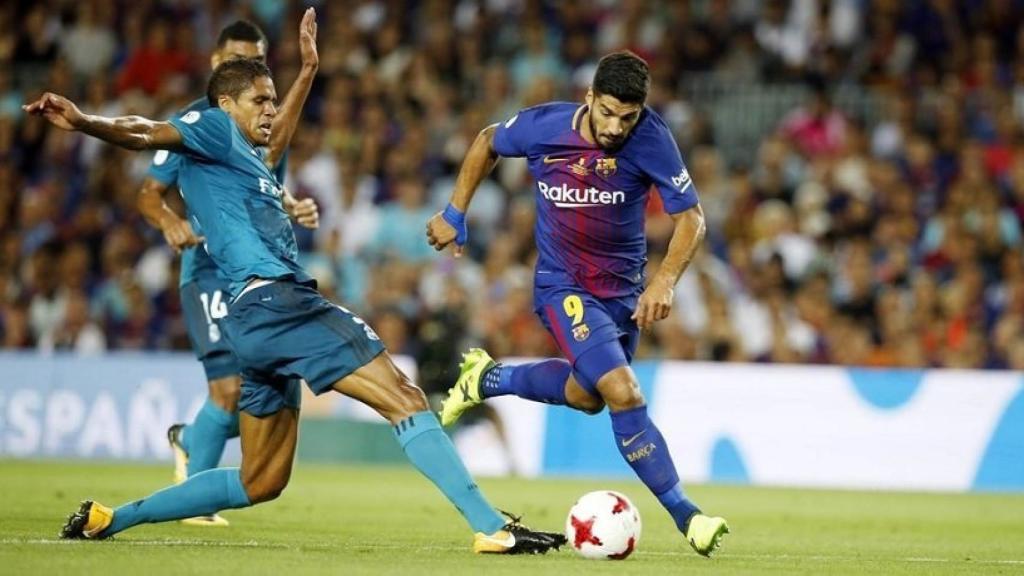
[596, 335]
[283, 332]
[204, 304]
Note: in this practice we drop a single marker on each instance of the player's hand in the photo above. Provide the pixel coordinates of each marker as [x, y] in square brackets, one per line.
[440, 234]
[57, 110]
[307, 39]
[654, 304]
[304, 211]
[178, 234]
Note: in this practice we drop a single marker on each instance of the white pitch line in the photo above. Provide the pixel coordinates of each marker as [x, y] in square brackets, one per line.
[375, 546]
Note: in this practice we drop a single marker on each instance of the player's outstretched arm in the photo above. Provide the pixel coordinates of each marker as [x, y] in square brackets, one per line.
[450, 225]
[656, 301]
[291, 108]
[132, 132]
[150, 202]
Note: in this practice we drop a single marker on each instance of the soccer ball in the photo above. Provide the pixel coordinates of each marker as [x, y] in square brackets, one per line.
[603, 525]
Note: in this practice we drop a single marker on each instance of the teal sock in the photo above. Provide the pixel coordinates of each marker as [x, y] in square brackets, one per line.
[205, 437]
[432, 453]
[203, 494]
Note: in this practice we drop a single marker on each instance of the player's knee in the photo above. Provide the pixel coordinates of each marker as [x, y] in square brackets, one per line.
[265, 487]
[225, 392]
[413, 399]
[621, 393]
[406, 399]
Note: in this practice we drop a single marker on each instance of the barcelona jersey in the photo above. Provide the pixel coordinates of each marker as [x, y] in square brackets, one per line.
[591, 202]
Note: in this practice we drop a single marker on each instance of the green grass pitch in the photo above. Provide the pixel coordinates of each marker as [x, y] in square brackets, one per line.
[341, 520]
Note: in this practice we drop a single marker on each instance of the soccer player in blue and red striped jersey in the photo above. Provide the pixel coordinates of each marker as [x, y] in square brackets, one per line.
[594, 165]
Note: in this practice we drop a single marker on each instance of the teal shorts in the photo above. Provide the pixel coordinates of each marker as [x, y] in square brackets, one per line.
[203, 304]
[284, 332]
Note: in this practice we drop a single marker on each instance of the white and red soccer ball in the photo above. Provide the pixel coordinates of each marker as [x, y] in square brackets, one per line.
[603, 525]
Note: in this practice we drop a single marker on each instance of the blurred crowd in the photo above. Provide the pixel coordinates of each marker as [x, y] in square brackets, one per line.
[895, 243]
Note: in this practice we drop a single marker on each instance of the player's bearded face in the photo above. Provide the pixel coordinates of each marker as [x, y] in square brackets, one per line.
[611, 120]
[254, 110]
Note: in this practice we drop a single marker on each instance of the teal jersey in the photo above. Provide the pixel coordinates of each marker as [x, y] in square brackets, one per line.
[235, 201]
[196, 263]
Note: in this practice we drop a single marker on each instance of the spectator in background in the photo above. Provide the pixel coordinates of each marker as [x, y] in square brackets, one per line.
[90, 45]
[881, 228]
[155, 63]
[816, 129]
[76, 331]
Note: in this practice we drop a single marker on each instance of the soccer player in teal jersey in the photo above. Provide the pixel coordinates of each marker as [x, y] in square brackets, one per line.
[204, 292]
[280, 327]
[595, 165]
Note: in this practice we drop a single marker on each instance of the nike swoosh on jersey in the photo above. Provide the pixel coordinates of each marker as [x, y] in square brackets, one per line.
[550, 160]
[627, 442]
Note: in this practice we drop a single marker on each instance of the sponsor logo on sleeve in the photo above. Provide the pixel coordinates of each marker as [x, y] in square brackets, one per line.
[682, 181]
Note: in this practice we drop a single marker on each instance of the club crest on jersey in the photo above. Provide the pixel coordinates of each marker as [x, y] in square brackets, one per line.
[581, 332]
[580, 168]
[605, 167]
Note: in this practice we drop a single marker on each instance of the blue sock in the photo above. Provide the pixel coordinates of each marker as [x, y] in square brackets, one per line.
[432, 453]
[644, 448]
[205, 437]
[205, 493]
[542, 381]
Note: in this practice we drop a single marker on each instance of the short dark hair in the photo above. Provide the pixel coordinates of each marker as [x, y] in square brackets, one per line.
[241, 31]
[623, 75]
[234, 77]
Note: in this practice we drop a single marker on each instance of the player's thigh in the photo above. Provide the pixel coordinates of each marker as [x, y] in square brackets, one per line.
[587, 334]
[268, 451]
[382, 385]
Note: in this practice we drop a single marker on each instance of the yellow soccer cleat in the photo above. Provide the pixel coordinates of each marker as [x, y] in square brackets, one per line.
[89, 522]
[705, 533]
[180, 456]
[181, 474]
[466, 392]
[514, 538]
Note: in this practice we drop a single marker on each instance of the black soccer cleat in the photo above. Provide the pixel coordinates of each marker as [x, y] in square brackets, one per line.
[515, 538]
[89, 522]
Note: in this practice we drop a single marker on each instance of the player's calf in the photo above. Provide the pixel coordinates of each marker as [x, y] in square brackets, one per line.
[268, 450]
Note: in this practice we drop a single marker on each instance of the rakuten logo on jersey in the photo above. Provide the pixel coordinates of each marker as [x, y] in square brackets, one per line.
[565, 197]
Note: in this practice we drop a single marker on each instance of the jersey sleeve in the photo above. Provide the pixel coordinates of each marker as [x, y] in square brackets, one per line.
[281, 169]
[512, 138]
[164, 167]
[663, 164]
[206, 134]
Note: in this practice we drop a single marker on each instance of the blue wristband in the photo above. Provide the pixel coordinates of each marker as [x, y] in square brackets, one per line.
[457, 219]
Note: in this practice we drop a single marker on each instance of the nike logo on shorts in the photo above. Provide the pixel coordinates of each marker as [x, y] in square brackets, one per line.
[550, 160]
